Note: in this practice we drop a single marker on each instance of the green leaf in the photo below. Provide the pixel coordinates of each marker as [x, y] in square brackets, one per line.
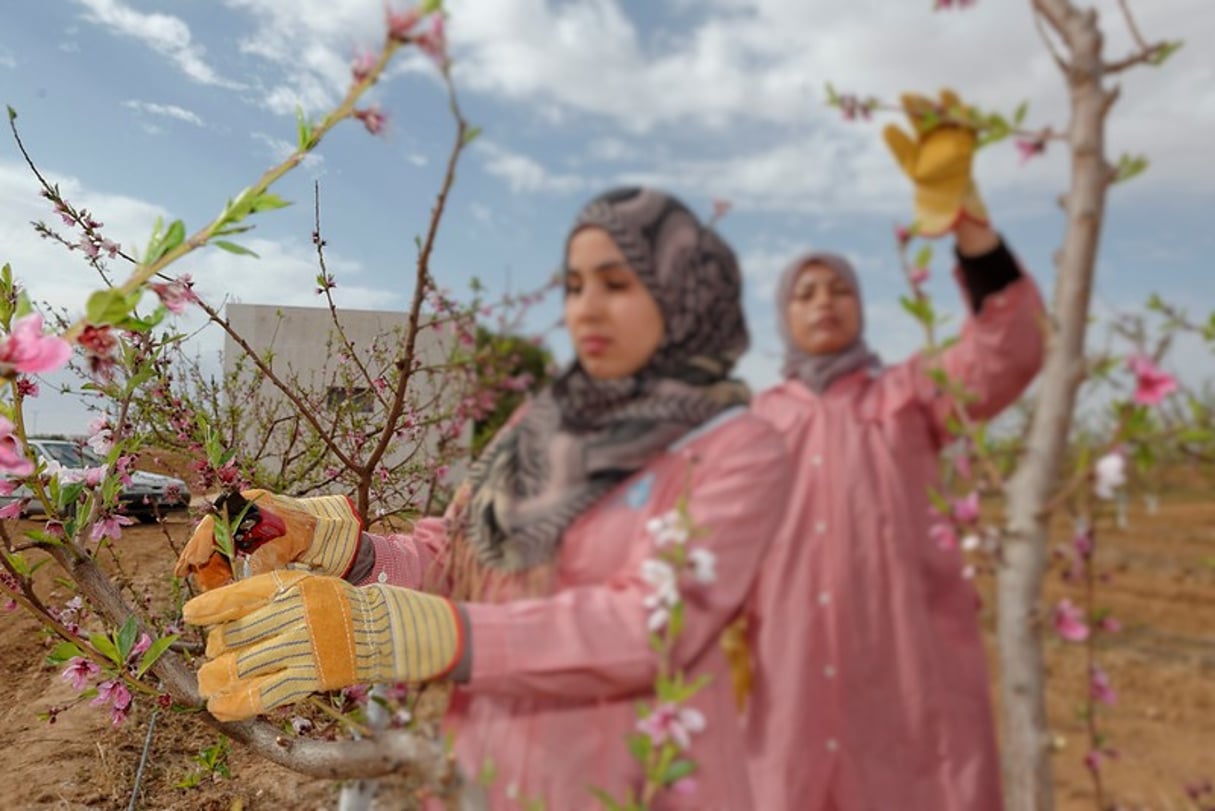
[677, 771]
[923, 257]
[1019, 115]
[153, 653]
[63, 652]
[470, 135]
[605, 799]
[232, 247]
[1128, 167]
[12, 114]
[1160, 56]
[109, 306]
[431, 6]
[20, 565]
[126, 637]
[267, 201]
[640, 747]
[304, 129]
[105, 647]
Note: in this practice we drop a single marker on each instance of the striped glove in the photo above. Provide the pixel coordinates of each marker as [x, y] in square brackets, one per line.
[278, 637]
[322, 533]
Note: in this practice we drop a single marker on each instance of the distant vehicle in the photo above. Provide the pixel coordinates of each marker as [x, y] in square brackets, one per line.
[148, 494]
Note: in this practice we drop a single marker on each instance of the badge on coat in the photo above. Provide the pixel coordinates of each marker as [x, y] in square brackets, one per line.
[639, 492]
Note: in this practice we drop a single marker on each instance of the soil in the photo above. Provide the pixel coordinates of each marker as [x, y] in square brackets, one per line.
[1162, 664]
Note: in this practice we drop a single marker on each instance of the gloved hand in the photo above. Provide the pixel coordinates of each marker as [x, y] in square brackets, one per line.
[280, 636]
[321, 532]
[938, 161]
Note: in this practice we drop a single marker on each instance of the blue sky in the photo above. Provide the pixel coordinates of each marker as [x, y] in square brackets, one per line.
[141, 108]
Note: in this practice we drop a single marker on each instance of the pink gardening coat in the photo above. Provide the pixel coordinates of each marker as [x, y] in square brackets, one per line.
[555, 679]
[871, 692]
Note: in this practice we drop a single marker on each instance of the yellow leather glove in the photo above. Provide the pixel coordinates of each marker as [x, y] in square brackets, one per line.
[738, 658]
[938, 161]
[278, 637]
[321, 533]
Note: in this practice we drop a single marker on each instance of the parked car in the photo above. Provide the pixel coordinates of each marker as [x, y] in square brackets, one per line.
[148, 494]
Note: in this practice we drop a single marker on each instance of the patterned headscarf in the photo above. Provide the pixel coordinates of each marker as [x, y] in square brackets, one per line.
[581, 437]
[818, 372]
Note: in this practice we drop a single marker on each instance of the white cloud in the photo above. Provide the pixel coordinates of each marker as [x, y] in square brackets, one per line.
[163, 33]
[166, 110]
[525, 174]
[7, 60]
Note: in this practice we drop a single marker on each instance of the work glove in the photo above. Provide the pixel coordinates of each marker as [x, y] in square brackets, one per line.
[937, 156]
[276, 638]
[319, 533]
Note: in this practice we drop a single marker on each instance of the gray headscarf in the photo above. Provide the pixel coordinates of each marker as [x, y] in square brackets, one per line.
[581, 436]
[818, 372]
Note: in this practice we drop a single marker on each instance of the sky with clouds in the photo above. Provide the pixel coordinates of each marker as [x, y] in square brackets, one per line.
[139, 109]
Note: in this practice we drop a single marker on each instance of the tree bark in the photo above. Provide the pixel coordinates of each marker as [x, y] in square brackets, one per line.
[1028, 784]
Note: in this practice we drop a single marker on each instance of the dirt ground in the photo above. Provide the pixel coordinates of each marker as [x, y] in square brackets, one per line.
[1162, 665]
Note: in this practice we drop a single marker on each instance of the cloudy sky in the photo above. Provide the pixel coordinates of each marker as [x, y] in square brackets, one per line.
[140, 108]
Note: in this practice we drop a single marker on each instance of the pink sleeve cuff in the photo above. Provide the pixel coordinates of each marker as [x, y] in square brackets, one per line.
[394, 566]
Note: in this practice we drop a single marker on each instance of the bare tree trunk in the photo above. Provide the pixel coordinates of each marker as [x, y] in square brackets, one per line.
[1026, 737]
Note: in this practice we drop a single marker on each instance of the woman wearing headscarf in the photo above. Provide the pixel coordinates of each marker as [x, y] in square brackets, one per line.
[871, 690]
[543, 549]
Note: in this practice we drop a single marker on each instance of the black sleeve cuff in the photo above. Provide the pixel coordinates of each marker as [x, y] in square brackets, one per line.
[364, 561]
[987, 274]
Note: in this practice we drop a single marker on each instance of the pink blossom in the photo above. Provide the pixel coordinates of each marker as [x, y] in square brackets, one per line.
[110, 527]
[966, 510]
[685, 786]
[13, 509]
[961, 461]
[434, 42]
[669, 721]
[1029, 148]
[26, 349]
[364, 62]
[99, 343]
[374, 121]
[401, 23]
[7, 486]
[1100, 688]
[1082, 542]
[358, 693]
[944, 534]
[142, 644]
[919, 276]
[12, 460]
[27, 387]
[175, 295]
[902, 234]
[79, 671]
[1069, 622]
[1092, 760]
[94, 476]
[1152, 384]
[1110, 625]
[115, 693]
[721, 208]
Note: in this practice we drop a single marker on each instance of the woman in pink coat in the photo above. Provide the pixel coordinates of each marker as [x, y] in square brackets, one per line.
[871, 689]
[545, 551]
